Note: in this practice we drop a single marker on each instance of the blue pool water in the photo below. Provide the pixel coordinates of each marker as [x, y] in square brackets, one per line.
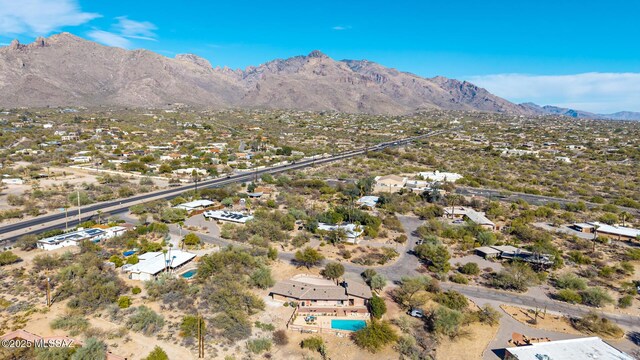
[189, 274]
[348, 325]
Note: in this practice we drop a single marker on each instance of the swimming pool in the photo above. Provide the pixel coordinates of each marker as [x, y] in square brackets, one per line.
[348, 325]
[189, 274]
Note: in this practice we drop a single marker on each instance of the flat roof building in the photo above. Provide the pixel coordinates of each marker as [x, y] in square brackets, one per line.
[572, 349]
[232, 216]
[195, 205]
[71, 239]
[151, 264]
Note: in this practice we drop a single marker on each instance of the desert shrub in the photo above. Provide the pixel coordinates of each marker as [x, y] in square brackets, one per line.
[189, 326]
[258, 346]
[234, 325]
[592, 323]
[93, 349]
[570, 296]
[145, 320]
[314, 343]
[459, 279]
[74, 324]
[452, 299]
[625, 301]
[264, 326]
[570, 281]
[7, 257]
[596, 296]
[136, 290]
[124, 302]
[470, 269]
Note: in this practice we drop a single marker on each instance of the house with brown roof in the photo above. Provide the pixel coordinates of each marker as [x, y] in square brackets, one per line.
[315, 292]
[389, 183]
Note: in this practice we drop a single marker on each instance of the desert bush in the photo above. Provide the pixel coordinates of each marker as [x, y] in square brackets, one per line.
[470, 269]
[145, 320]
[74, 324]
[592, 323]
[258, 346]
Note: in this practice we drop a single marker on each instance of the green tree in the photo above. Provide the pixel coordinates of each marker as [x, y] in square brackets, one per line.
[377, 282]
[377, 306]
[376, 335]
[517, 276]
[262, 278]
[27, 242]
[308, 257]
[445, 321]
[436, 255]
[157, 354]
[172, 215]
[333, 271]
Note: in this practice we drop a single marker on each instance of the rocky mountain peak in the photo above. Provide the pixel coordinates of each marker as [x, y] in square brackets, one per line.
[317, 54]
[194, 59]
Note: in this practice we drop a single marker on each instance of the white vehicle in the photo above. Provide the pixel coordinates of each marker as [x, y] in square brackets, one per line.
[416, 313]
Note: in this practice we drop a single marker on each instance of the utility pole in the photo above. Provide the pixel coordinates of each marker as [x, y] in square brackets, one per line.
[48, 292]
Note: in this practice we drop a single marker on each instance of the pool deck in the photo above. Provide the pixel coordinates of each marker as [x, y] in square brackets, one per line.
[322, 324]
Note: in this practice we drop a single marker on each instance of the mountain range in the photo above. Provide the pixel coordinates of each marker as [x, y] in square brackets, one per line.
[66, 70]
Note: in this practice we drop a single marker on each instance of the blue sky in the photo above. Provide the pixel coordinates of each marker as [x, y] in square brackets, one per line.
[569, 53]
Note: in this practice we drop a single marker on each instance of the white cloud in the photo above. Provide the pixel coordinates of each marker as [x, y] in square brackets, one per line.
[40, 17]
[143, 30]
[109, 38]
[340, 28]
[123, 31]
[595, 92]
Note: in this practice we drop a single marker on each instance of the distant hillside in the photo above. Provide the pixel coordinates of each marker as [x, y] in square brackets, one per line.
[554, 110]
[65, 70]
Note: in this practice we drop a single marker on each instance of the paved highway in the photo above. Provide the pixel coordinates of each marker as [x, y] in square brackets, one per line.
[539, 200]
[11, 232]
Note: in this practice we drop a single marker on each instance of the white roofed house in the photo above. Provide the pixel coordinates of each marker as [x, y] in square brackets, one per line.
[195, 205]
[615, 232]
[440, 176]
[231, 216]
[591, 348]
[154, 263]
[72, 239]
